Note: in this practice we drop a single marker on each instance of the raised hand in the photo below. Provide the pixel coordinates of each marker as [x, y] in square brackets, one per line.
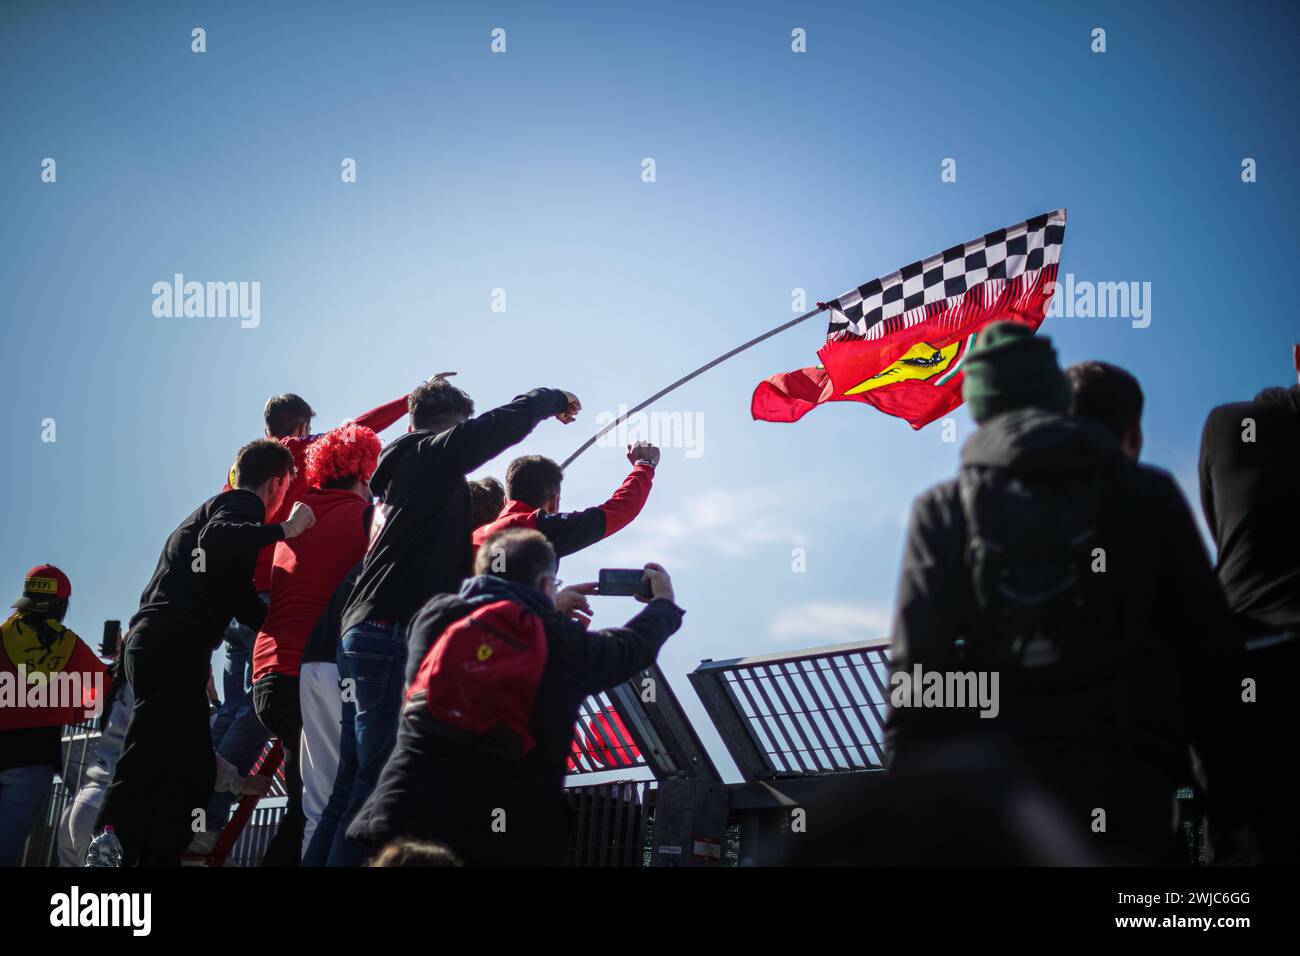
[571, 413]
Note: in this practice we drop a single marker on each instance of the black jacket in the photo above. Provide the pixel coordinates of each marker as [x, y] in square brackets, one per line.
[1177, 667]
[198, 593]
[435, 789]
[420, 534]
[1250, 493]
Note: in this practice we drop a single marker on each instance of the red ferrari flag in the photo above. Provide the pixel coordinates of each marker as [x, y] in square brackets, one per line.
[899, 342]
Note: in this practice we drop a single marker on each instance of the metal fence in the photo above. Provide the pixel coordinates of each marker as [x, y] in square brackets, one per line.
[812, 712]
[796, 724]
[637, 728]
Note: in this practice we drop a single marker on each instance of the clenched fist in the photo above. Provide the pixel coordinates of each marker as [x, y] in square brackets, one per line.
[300, 519]
[643, 451]
[571, 412]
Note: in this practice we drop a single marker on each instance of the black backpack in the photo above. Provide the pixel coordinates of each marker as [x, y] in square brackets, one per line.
[1045, 614]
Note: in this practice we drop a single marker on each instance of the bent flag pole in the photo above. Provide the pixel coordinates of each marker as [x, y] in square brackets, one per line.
[899, 342]
[821, 307]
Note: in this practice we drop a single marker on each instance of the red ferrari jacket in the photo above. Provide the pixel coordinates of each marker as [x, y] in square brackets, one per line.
[571, 531]
[306, 571]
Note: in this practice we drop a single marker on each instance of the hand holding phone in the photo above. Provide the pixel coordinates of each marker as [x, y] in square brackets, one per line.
[623, 582]
[644, 584]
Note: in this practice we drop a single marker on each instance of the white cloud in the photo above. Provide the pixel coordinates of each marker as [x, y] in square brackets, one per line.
[830, 622]
[729, 522]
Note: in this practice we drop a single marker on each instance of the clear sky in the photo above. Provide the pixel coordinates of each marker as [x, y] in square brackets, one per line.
[522, 171]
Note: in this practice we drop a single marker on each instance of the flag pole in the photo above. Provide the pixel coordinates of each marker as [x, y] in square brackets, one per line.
[821, 307]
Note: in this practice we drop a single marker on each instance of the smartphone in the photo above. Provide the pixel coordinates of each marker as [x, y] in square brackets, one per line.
[112, 634]
[623, 582]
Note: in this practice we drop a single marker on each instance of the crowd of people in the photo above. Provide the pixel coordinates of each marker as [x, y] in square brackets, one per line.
[401, 631]
[372, 601]
[1128, 668]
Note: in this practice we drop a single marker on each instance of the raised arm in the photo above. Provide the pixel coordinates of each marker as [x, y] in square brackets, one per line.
[472, 444]
[571, 531]
[612, 655]
[235, 528]
[377, 419]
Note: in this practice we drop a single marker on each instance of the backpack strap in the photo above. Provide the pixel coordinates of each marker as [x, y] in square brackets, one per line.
[982, 557]
[983, 553]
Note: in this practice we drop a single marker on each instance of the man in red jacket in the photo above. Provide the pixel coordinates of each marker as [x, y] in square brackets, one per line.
[237, 734]
[533, 502]
[304, 576]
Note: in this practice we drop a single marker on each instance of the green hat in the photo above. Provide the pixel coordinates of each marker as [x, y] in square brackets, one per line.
[1008, 368]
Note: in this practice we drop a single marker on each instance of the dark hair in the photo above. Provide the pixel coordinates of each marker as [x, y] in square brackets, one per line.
[406, 852]
[284, 413]
[1105, 394]
[437, 404]
[516, 554]
[486, 498]
[533, 480]
[258, 461]
[46, 609]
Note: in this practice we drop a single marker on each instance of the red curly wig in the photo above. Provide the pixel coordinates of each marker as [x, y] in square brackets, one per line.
[350, 451]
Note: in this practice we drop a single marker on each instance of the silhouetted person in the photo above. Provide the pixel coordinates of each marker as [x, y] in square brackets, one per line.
[1250, 493]
[1111, 397]
[1077, 578]
[419, 547]
[204, 578]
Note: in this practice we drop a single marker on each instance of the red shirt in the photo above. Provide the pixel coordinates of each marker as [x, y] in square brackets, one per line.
[571, 531]
[376, 419]
[306, 571]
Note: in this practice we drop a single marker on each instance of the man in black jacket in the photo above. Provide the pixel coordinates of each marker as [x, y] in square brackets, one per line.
[1109, 642]
[419, 547]
[489, 808]
[204, 578]
[1250, 493]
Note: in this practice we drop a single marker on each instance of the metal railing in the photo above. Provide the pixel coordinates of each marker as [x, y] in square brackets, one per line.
[612, 823]
[637, 727]
[807, 713]
[639, 724]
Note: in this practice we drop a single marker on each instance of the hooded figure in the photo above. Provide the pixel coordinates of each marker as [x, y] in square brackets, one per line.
[1078, 580]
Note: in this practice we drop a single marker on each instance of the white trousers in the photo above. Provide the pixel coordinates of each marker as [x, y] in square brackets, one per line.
[77, 825]
[322, 719]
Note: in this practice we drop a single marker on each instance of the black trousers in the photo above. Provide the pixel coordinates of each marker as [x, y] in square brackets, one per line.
[275, 699]
[167, 769]
[1276, 670]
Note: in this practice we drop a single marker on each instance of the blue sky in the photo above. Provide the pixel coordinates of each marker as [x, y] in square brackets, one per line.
[522, 171]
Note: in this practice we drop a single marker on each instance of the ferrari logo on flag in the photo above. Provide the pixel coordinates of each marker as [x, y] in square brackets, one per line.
[922, 361]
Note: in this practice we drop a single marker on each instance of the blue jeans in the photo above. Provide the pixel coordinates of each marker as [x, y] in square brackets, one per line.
[22, 792]
[237, 734]
[372, 663]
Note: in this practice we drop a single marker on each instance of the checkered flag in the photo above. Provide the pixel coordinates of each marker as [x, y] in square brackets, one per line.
[923, 290]
[900, 342]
